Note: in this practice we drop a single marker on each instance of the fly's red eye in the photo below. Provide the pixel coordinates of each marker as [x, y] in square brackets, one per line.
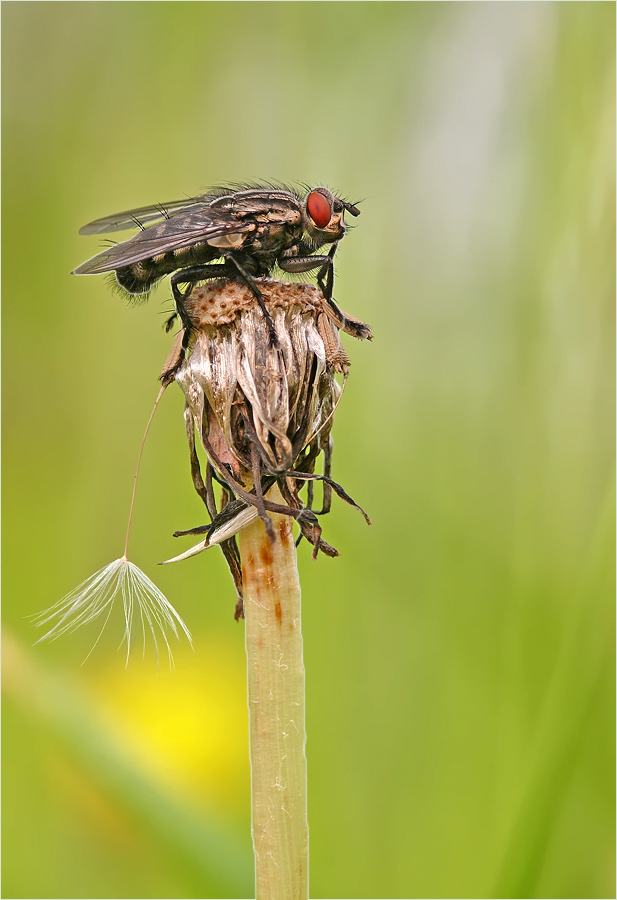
[319, 209]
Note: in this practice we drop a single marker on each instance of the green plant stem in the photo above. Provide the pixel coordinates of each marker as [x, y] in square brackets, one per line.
[276, 709]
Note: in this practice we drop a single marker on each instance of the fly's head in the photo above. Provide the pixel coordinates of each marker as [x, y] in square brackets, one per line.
[324, 216]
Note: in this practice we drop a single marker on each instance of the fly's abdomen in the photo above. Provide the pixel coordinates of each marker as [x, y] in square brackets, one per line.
[140, 277]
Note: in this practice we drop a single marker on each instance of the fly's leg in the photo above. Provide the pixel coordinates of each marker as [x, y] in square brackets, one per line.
[350, 325]
[325, 264]
[190, 276]
[274, 341]
[327, 271]
[307, 264]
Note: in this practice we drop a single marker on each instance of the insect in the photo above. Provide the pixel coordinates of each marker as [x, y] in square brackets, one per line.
[251, 229]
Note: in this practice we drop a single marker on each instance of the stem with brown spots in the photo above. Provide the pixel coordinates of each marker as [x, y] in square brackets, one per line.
[276, 709]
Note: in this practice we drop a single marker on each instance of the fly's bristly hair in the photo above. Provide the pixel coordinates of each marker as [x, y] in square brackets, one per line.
[116, 288]
[232, 187]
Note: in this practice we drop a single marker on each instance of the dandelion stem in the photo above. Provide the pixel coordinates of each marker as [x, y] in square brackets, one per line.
[276, 709]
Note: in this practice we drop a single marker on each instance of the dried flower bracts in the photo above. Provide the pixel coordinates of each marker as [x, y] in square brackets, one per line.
[262, 410]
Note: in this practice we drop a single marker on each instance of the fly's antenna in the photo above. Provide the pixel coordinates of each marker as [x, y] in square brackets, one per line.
[352, 208]
[141, 450]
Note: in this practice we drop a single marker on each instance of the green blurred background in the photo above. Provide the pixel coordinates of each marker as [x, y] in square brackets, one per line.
[459, 654]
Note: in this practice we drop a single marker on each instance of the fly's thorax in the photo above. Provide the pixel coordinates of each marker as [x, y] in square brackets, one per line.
[260, 206]
[274, 238]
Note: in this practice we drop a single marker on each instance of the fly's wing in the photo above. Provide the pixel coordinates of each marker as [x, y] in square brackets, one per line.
[192, 226]
[143, 215]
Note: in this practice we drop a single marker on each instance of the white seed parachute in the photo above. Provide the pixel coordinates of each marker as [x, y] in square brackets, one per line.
[95, 597]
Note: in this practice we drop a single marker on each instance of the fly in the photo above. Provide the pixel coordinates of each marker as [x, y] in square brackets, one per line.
[251, 230]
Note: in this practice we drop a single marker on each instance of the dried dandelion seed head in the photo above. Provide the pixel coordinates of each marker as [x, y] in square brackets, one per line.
[244, 392]
[262, 412]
